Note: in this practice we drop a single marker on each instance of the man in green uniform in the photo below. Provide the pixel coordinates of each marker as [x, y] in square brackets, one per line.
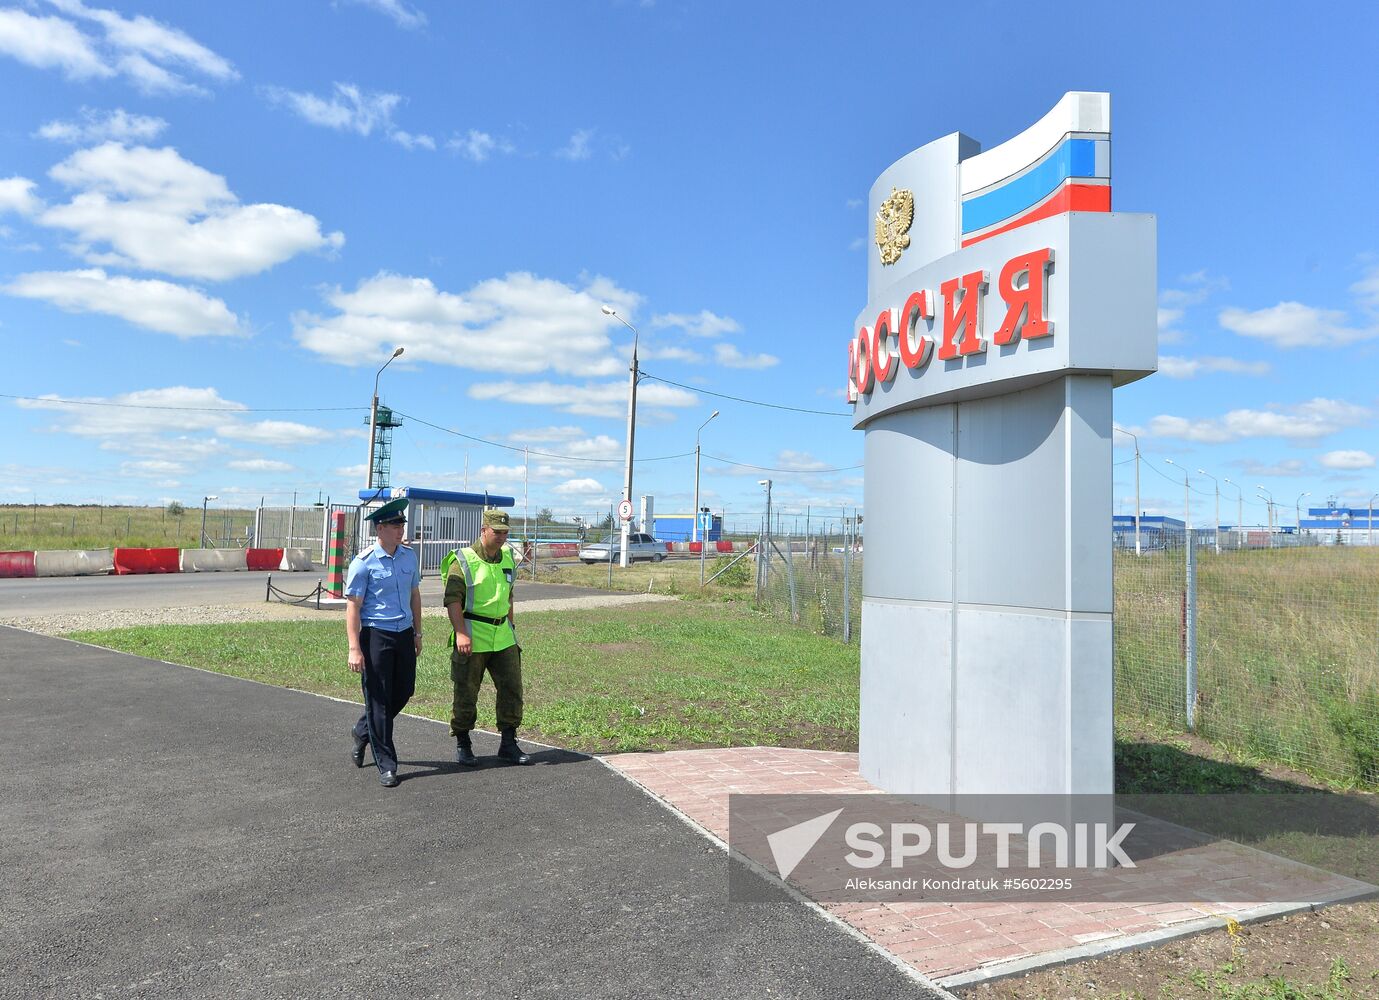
[478, 599]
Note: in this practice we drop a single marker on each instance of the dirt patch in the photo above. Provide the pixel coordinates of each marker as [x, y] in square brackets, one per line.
[1306, 950]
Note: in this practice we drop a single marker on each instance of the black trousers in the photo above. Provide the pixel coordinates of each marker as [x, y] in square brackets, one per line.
[389, 679]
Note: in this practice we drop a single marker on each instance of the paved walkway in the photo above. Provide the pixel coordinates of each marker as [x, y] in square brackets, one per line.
[169, 832]
[957, 944]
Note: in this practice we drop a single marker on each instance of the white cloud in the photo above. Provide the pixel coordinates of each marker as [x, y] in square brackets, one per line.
[606, 399]
[1349, 460]
[280, 433]
[1304, 422]
[160, 212]
[50, 43]
[17, 195]
[546, 435]
[580, 488]
[704, 324]
[1289, 467]
[403, 15]
[154, 305]
[350, 109]
[578, 148]
[1198, 287]
[150, 54]
[1167, 317]
[729, 356]
[1174, 367]
[478, 146]
[799, 461]
[154, 468]
[129, 422]
[409, 141]
[671, 354]
[854, 203]
[260, 465]
[517, 324]
[103, 126]
[1367, 288]
[1292, 324]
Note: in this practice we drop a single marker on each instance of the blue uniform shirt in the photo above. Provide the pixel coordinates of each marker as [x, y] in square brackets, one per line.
[385, 582]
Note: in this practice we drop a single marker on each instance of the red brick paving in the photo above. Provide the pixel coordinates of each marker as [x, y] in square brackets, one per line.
[937, 939]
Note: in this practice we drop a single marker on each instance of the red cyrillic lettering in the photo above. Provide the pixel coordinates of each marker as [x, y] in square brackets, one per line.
[963, 316]
[1027, 302]
[864, 366]
[915, 354]
[885, 328]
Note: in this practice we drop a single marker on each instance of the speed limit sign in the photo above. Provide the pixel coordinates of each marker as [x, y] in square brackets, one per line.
[625, 510]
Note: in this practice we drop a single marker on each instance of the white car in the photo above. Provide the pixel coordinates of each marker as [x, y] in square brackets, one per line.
[639, 546]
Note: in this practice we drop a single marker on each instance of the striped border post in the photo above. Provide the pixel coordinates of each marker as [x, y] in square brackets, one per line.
[335, 556]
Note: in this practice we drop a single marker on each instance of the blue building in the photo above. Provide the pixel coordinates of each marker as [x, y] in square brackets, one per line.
[437, 520]
[1335, 525]
[680, 527]
[1156, 531]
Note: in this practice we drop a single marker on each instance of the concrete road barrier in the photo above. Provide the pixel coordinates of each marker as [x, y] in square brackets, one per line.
[295, 560]
[129, 561]
[74, 562]
[263, 558]
[213, 560]
[16, 565]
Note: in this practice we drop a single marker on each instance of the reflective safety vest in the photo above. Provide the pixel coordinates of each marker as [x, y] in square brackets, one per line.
[487, 597]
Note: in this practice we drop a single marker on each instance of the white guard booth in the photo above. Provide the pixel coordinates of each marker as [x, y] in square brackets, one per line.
[437, 520]
[1005, 301]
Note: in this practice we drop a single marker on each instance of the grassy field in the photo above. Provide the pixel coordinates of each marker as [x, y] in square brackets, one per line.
[40, 527]
[653, 677]
[1288, 663]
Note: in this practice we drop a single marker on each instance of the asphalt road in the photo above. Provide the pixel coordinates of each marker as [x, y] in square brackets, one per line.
[58, 595]
[169, 832]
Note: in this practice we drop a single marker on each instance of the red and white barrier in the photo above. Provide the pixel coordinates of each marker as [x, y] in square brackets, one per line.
[132, 561]
[258, 559]
[16, 565]
[74, 562]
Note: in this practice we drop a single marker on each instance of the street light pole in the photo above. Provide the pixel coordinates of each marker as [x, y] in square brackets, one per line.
[1370, 537]
[1137, 486]
[1297, 511]
[1239, 506]
[373, 419]
[631, 429]
[1216, 531]
[1187, 501]
[1269, 499]
[694, 531]
[204, 501]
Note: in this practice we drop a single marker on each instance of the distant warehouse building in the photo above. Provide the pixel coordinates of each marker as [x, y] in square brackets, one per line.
[1333, 525]
[1156, 531]
[680, 527]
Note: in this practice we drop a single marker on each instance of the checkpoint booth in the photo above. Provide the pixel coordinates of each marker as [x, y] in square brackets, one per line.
[438, 521]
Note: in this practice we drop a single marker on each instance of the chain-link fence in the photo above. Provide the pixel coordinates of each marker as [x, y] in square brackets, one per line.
[1269, 647]
[1271, 651]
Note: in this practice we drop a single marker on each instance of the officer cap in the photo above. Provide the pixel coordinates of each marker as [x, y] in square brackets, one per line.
[392, 512]
[495, 518]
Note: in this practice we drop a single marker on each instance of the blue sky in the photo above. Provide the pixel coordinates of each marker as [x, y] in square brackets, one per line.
[239, 209]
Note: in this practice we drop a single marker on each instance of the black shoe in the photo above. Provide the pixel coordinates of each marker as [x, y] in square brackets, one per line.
[357, 754]
[464, 751]
[388, 779]
[509, 751]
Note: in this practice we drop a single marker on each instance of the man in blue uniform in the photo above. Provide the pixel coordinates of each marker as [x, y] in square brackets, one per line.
[383, 624]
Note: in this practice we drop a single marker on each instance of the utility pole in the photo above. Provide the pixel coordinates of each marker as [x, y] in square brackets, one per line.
[623, 557]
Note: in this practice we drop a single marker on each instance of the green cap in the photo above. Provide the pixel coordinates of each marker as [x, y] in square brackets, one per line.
[392, 512]
[495, 518]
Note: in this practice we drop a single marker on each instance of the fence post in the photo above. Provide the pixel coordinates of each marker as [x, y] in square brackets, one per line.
[1190, 635]
[790, 569]
[847, 590]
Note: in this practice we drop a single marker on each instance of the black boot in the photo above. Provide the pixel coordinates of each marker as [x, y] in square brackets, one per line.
[357, 753]
[508, 749]
[464, 751]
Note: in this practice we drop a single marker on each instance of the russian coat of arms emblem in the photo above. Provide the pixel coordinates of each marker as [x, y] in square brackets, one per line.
[893, 222]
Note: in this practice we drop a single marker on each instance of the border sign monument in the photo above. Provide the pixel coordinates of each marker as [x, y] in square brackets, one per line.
[1005, 300]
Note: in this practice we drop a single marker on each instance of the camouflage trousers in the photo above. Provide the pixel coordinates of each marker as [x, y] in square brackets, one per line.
[467, 676]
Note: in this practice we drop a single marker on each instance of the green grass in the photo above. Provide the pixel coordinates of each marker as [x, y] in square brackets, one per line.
[44, 527]
[654, 677]
[1288, 668]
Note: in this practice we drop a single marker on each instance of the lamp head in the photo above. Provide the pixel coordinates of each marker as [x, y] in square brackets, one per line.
[211, 498]
[713, 414]
[397, 353]
[608, 310]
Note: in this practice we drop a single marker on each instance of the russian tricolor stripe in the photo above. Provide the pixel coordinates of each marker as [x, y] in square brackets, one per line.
[1062, 163]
